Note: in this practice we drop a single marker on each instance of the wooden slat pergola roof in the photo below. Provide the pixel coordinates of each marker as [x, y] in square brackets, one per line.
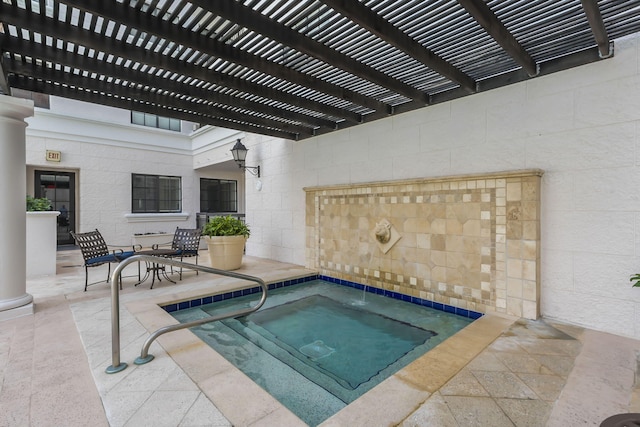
[296, 68]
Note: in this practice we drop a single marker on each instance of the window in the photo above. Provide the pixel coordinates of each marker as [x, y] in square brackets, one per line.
[218, 195]
[156, 193]
[154, 121]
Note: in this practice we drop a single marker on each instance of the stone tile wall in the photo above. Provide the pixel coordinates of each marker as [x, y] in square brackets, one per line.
[468, 241]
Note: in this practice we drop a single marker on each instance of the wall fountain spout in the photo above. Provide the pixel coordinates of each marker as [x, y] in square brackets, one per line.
[385, 235]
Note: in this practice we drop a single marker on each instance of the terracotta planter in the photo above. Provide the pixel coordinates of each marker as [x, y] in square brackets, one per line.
[225, 252]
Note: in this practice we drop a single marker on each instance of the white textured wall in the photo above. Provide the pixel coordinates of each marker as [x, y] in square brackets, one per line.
[103, 156]
[580, 126]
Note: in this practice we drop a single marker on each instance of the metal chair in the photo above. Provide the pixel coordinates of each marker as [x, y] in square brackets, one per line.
[186, 242]
[96, 252]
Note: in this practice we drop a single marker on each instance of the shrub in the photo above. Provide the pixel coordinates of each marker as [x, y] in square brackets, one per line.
[225, 226]
[41, 204]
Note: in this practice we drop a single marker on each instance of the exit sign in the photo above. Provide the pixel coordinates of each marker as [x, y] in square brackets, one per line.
[53, 156]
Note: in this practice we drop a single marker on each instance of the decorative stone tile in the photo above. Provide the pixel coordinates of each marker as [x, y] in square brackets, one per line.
[454, 232]
[530, 250]
[514, 288]
[514, 307]
[529, 290]
[514, 192]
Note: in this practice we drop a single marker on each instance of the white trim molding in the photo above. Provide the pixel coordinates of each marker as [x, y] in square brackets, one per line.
[157, 217]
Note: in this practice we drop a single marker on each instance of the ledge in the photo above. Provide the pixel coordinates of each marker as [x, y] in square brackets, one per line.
[157, 217]
[355, 187]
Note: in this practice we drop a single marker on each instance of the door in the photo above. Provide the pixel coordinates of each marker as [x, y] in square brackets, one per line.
[59, 187]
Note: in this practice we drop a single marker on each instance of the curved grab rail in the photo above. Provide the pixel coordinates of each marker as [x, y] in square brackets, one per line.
[116, 364]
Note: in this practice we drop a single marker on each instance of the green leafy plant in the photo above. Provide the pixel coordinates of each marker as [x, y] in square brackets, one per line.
[40, 204]
[636, 279]
[225, 226]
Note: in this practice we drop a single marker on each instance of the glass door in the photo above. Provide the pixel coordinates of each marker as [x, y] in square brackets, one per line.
[59, 187]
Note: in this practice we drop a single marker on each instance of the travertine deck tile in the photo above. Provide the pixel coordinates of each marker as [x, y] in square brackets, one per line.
[526, 413]
[504, 384]
[546, 387]
[463, 384]
[519, 362]
[442, 390]
[434, 412]
[559, 365]
[477, 412]
[203, 413]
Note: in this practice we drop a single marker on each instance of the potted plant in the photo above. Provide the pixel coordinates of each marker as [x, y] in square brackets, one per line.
[38, 204]
[225, 237]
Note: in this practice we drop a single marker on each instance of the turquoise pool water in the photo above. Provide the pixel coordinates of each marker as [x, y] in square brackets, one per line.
[318, 346]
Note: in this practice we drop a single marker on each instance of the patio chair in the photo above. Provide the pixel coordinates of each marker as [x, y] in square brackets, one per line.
[186, 242]
[96, 252]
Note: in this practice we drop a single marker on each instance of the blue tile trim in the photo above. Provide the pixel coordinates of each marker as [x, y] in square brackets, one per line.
[414, 300]
[390, 294]
[228, 295]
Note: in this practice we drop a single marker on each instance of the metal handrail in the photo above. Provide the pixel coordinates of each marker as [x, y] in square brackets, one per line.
[116, 364]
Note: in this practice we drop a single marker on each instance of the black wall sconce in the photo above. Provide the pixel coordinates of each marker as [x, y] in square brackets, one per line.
[239, 152]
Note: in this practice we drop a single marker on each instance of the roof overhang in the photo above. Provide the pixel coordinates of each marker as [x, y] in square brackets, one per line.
[296, 68]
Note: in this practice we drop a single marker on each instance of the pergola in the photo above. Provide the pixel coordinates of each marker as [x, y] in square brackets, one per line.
[296, 68]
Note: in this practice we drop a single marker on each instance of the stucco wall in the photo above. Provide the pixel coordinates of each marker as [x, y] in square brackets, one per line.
[103, 156]
[579, 126]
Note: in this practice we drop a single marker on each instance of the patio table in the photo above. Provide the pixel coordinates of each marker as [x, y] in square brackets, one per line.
[154, 269]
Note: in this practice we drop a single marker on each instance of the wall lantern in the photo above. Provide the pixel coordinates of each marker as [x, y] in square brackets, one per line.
[239, 152]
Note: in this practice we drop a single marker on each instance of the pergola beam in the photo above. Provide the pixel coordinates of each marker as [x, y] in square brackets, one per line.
[65, 91]
[92, 40]
[143, 94]
[295, 69]
[234, 11]
[363, 16]
[4, 86]
[111, 70]
[488, 20]
[596, 23]
[130, 17]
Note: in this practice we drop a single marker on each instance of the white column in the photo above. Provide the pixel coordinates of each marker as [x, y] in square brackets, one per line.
[14, 299]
